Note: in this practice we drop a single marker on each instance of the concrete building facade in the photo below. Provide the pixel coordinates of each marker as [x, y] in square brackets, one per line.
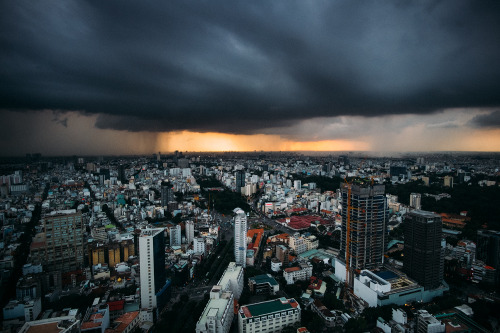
[269, 316]
[153, 280]
[423, 253]
[240, 237]
[368, 215]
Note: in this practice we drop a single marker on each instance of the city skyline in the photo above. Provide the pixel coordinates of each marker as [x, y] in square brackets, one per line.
[133, 78]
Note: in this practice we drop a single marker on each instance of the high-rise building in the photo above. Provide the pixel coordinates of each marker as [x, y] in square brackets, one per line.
[121, 174]
[368, 215]
[175, 235]
[189, 231]
[199, 245]
[423, 253]
[240, 237]
[344, 160]
[154, 285]
[397, 170]
[415, 200]
[240, 179]
[488, 249]
[167, 194]
[60, 246]
[448, 181]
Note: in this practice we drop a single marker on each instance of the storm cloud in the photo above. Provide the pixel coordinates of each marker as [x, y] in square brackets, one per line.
[490, 120]
[246, 66]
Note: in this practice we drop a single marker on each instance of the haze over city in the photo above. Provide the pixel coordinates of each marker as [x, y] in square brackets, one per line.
[129, 77]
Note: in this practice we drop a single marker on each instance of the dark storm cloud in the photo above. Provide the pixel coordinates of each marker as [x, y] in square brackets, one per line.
[491, 120]
[239, 67]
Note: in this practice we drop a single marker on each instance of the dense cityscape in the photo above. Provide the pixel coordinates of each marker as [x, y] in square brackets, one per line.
[249, 166]
[251, 242]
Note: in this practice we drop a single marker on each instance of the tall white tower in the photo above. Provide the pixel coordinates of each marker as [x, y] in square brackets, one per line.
[240, 237]
[189, 231]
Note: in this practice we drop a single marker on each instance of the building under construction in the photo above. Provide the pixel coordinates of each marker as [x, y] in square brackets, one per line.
[364, 218]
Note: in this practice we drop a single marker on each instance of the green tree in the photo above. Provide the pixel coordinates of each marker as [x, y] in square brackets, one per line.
[355, 325]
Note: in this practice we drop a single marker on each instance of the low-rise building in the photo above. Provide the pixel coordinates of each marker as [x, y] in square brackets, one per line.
[330, 318]
[126, 323]
[293, 274]
[218, 313]
[427, 323]
[317, 286]
[263, 284]
[65, 324]
[276, 264]
[269, 316]
[378, 288]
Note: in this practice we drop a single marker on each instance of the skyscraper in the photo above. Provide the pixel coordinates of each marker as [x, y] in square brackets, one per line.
[368, 215]
[240, 179]
[167, 194]
[189, 231]
[175, 235]
[154, 284]
[423, 254]
[240, 237]
[121, 174]
[488, 249]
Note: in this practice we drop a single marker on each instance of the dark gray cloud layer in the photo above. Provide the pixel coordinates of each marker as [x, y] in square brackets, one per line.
[241, 66]
[491, 120]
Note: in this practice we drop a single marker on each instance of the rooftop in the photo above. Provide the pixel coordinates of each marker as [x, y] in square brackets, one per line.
[264, 278]
[123, 321]
[277, 305]
[231, 273]
[215, 307]
[292, 269]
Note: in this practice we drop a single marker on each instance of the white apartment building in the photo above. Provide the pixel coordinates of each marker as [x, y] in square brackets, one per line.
[240, 237]
[175, 235]
[293, 274]
[189, 232]
[199, 245]
[427, 323]
[232, 279]
[269, 316]
[298, 244]
[218, 313]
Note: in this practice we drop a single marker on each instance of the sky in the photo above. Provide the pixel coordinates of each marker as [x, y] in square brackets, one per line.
[136, 77]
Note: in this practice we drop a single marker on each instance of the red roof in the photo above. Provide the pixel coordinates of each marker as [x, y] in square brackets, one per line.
[90, 324]
[124, 320]
[116, 305]
[292, 269]
[303, 222]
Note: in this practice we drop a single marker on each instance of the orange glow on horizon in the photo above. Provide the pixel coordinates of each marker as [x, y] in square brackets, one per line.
[194, 141]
